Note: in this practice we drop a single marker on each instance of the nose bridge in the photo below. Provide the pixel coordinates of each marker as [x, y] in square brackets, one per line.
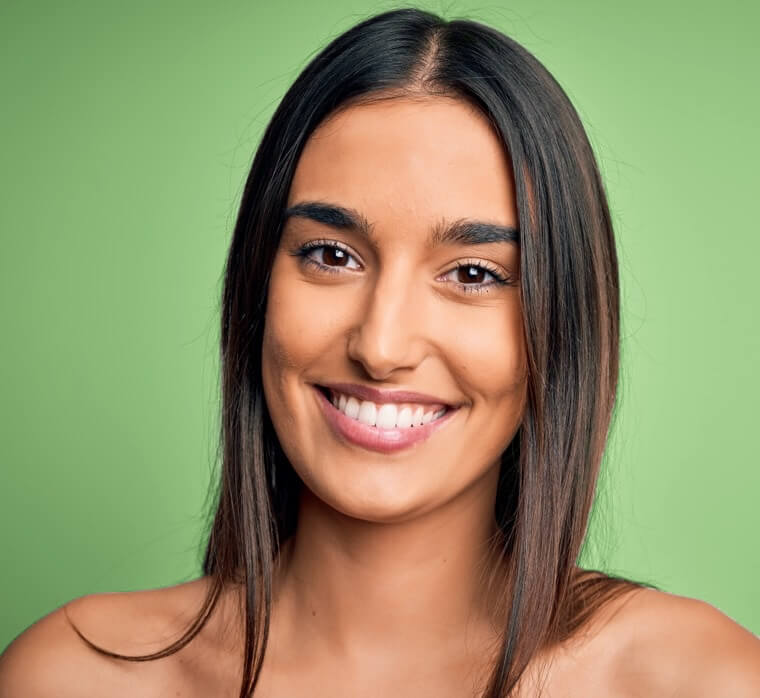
[387, 332]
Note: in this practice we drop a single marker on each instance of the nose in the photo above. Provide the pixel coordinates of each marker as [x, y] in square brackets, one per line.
[388, 335]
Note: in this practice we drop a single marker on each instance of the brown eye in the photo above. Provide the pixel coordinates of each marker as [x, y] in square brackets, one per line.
[470, 273]
[334, 256]
[474, 278]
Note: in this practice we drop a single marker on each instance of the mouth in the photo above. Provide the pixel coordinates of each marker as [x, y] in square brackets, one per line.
[385, 415]
[385, 427]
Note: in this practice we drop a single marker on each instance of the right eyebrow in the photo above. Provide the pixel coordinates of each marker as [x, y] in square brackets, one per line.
[463, 231]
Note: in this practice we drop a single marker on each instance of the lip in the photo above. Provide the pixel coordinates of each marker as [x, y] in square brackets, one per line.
[374, 438]
[364, 392]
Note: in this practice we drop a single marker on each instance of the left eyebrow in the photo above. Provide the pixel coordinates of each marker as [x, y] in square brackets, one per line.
[460, 232]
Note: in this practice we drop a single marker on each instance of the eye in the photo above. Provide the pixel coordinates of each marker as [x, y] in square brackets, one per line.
[473, 271]
[334, 255]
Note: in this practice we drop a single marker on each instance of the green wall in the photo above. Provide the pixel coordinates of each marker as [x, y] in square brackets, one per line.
[127, 131]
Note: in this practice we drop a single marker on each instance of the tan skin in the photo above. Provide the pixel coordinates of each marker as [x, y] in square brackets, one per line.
[379, 593]
[384, 568]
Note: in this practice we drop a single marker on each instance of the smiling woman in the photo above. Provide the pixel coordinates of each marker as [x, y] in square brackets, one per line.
[420, 358]
[400, 301]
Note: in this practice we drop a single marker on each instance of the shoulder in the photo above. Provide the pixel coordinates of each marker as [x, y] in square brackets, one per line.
[41, 657]
[675, 645]
[49, 658]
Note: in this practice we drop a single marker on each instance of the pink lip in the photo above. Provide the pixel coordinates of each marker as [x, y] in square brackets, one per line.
[365, 392]
[374, 438]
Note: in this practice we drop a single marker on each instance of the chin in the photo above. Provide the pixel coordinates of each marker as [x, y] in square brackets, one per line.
[371, 498]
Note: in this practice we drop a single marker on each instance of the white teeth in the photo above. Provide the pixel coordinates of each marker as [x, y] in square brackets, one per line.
[368, 413]
[352, 408]
[404, 419]
[386, 416]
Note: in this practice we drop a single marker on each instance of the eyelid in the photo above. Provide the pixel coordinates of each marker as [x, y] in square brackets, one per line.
[303, 250]
[490, 267]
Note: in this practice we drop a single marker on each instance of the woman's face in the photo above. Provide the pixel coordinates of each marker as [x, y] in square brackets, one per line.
[390, 309]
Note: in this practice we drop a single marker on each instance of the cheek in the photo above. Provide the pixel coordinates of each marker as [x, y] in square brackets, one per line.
[295, 329]
[490, 353]
[298, 332]
[303, 318]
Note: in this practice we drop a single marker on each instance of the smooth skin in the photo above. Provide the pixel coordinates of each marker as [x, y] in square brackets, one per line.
[379, 592]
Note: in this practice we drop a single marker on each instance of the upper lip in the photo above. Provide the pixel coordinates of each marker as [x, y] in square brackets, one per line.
[364, 392]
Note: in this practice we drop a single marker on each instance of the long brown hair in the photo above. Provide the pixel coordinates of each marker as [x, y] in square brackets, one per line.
[570, 298]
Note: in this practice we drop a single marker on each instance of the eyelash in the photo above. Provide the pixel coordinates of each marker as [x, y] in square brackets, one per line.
[499, 279]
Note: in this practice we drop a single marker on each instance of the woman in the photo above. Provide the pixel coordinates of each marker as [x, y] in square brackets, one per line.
[420, 359]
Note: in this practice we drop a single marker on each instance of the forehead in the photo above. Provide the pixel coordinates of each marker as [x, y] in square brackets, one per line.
[429, 159]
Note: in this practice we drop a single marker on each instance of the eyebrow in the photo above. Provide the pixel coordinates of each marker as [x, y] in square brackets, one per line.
[463, 231]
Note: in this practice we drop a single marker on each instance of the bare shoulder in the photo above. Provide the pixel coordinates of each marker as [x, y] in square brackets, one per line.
[46, 660]
[675, 645]
[51, 659]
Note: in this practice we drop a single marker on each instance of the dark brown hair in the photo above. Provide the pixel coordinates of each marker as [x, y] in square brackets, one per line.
[570, 299]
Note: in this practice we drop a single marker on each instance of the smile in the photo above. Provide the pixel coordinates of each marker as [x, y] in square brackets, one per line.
[384, 427]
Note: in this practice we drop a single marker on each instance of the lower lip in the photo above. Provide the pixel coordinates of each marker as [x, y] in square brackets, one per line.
[375, 438]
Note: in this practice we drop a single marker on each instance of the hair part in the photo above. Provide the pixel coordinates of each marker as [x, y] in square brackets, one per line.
[570, 297]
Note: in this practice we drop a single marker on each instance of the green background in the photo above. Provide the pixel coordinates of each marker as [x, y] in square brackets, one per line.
[127, 133]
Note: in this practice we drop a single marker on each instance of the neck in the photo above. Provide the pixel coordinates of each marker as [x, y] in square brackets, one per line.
[415, 589]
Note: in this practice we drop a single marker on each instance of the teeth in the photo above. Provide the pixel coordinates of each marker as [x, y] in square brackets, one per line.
[368, 413]
[404, 418]
[385, 416]
[351, 408]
